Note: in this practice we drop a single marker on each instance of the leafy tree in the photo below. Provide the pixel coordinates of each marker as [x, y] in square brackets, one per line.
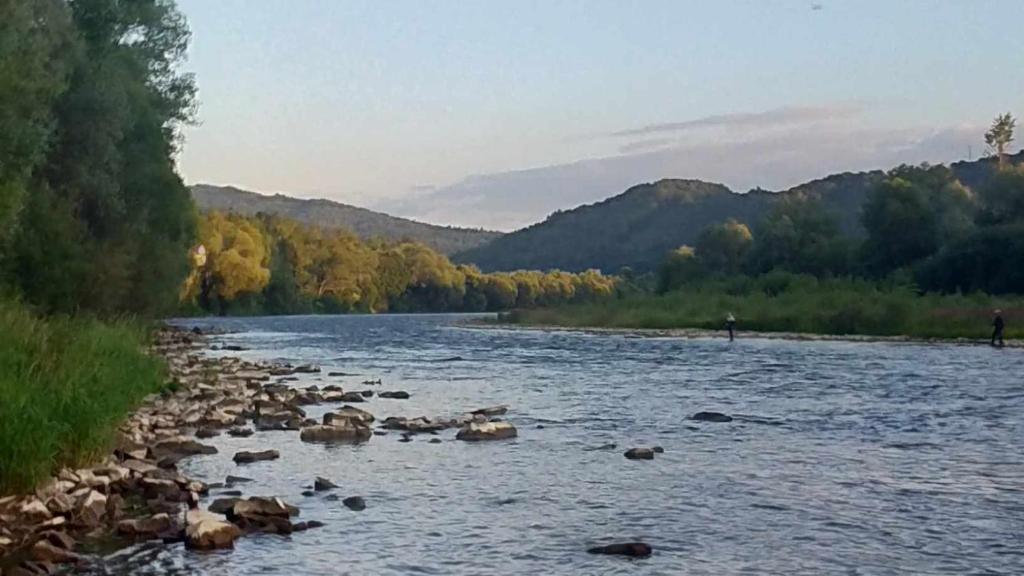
[911, 214]
[721, 248]
[679, 267]
[1002, 197]
[799, 236]
[1000, 135]
[236, 261]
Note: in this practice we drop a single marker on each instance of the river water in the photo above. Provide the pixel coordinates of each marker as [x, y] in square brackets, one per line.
[844, 458]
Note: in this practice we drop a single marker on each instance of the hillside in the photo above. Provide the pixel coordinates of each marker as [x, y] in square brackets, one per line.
[327, 214]
[636, 228]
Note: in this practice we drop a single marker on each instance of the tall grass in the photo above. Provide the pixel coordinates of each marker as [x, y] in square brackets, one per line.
[65, 385]
[787, 303]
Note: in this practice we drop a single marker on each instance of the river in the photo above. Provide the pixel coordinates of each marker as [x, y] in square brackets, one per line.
[843, 458]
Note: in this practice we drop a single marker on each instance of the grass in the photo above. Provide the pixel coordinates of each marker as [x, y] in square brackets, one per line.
[65, 386]
[787, 303]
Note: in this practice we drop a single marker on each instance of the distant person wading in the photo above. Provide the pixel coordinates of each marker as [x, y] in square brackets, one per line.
[730, 324]
[997, 329]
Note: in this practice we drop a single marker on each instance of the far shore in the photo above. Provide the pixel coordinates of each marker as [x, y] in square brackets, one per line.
[702, 333]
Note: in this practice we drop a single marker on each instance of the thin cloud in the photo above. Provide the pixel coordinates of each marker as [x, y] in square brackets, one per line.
[787, 116]
[645, 145]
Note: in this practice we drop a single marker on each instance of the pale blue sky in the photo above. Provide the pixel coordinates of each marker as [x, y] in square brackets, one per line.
[375, 102]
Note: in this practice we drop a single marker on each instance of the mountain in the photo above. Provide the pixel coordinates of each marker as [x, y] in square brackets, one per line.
[328, 214]
[636, 228]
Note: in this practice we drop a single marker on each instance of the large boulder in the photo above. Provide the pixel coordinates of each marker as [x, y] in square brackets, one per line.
[474, 432]
[209, 531]
[338, 431]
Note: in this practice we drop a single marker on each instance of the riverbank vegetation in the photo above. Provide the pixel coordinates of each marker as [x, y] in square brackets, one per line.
[271, 265]
[95, 224]
[936, 259]
[66, 384]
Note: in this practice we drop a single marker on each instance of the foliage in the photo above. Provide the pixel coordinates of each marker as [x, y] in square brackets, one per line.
[97, 102]
[721, 248]
[276, 265]
[66, 384]
[910, 214]
[799, 235]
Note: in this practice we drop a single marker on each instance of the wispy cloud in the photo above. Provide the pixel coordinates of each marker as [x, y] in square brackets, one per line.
[787, 116]
[645, 145]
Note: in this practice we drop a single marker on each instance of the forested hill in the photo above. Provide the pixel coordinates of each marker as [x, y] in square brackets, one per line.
[364, 223]
[638, 227]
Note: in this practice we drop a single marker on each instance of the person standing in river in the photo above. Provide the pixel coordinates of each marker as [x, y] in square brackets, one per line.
[997, 329]
[730, 324]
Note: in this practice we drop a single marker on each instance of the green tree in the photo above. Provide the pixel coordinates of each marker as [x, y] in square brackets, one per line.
[911, 214]
[721, 248]
[679, 268]
[799, 236]
[1002, 197]
[1000, 135]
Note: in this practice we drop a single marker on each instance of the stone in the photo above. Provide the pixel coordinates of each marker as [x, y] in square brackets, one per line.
[139, 466]
[639, 454]
[207, 433]
[34, 511]
[355, 503]
[161, 488]
[223, 505]
[351, 397]
[321, 484]
[348, 432]
[232, 480]
[397, 395]
[711, 417]
[245, 457]
[475, 432]
[45, 551]
[307, 525]
[209, 531]
[658, 450]
[258, 505]
[182, 447]
[348, 413]
[435, 440]
[60, 504]
[633, 549]
[93, 509]
[145, 528]
[491, 410]
[239, 432]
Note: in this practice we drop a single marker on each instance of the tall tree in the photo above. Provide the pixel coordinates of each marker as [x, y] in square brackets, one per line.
[722, 247]
[1000, 135]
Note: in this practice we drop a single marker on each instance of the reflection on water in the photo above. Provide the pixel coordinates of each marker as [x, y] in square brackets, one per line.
[843, 459]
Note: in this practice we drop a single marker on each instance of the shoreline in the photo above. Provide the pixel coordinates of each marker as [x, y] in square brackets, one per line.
[136, 493]
[703, 333]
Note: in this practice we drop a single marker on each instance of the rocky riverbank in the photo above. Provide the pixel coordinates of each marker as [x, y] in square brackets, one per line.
[138, 493]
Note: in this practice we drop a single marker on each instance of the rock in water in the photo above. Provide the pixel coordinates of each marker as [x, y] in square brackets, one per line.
[640, 454]
[355, 503]
[634, 549]
[711, 417]
[339, 431]
[474, 431]
[658, 450]
[145, 527]
[209, 531]
[249, 457]
[396, 395]
[321, 484]
[491, 410]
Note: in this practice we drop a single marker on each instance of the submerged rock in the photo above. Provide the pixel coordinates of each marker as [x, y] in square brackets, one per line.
[633, 549]
[491, 410]
[355, 503]
[711, 417]
[475, 432]
[396, 394]
[250, 457]
[639, 454]
[239, 432]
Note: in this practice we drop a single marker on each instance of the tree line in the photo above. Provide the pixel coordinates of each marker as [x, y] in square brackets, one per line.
[274, 265]
[923, 226]
[93, 216]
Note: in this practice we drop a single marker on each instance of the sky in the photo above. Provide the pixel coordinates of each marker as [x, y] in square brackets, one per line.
[495, 114]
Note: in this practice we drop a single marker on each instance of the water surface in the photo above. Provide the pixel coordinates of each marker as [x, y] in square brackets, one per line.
[845, 458]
